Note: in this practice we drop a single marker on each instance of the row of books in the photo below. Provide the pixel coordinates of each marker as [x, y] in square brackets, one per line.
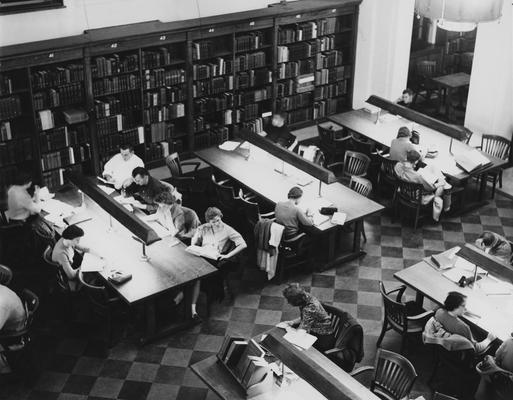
[208, 48]
[255, 126]
[329, 26]
[329, 59]
[15, 152]
[157, 151]
[218, 67]
[250, 41]
[61, 96]
[161, 77]
[254, 96]
[112, 124]
[327, 107]
[161, 131]
[160, 57]
[68, 156]
[164, 113]
[213, 104]
[53, 178]
[115, 84]
[253, 78]
[305, 83]
[45, 120]
[298, 32]
[57, 76]
[164, 95]
[10, 107]
[334, 90]
[302, 50]
[331, 75]
[211, 137]
[300, 115]
[111, 143]
[249, 61]
[295, 68]
[286, 88]
[62, 137]
[5, 131]
[213, 86]
[296, 101]
[247, 113]
[119, 104]
[114, 64]
[6, 85]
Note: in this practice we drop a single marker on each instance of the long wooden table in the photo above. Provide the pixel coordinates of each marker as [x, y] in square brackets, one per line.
[258, 173]
[321, 378]
[169, 266]
[385, 131]
[495, 311]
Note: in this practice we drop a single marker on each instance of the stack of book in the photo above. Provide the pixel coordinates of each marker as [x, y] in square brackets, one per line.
[326, 43]
[160, 77]
[213, 86]
[334, 90]
[112, 124]
[160, 57]
[202, 50]
[5, 131]
[286, 88]
[57, 76]
[6, 85]
[114, 64]
[216, 68]
[65, 157]
[164, 113]
[161, 131]
[253, 78]
[62, 137]
[10, 107]
[213, 104]
[327, 26]
[115, 84]
[62, 96]
[250, 41]
[248, 61]
[329, 59]
[301, 50]
[331, 75]
[164, 95]
[255, 126]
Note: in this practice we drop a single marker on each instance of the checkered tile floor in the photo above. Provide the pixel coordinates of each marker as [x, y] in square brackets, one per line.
[73, 368]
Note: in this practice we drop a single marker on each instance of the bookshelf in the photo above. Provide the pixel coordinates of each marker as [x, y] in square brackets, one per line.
[174, 86]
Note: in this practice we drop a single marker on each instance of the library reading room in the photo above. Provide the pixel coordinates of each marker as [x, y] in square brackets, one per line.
[256, 199]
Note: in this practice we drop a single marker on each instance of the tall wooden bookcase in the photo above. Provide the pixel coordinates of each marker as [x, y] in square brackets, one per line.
[166, 87]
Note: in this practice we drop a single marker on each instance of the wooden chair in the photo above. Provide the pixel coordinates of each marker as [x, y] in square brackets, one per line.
[332, 143]
[406, 318]
[293, 252]
[387, 177]
[467, 135]
[355, 164]
[185, 184]
[362, 145]
[496, 146]
[364, 187]
[410, 195]
[225, 195]
[441, 396]
[394, 375]
[348, 334]
[425, 70]
[251, 210]
[5, 275]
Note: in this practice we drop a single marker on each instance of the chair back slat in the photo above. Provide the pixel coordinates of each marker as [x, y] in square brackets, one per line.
[395, 312]
[225, 195]
[355, 163]
[173, 164]
[360, 185]
[394, 375]
[5, 275]
[410, 192]
[361, 144]
[251, 211]
[496, 146]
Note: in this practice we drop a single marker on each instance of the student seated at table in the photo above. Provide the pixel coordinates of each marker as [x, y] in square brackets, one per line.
[401, 145]
[278, 132]
[313, 319]
[118, 169]
[449, 316]
[21, 205]
[69, 254]
[436, 192]
[495, 245]
[12, 312]
[228, 243]
[145, 188]
[406, 100]
[290, 215]
[181, 221]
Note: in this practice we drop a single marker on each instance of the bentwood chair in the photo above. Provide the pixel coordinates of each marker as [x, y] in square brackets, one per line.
[185, 184]
[348, 334]
[496, 146]
[406, 318]
[409, 195]
[394, 375]
[387, 179]
[251, 210]
[5, 275]
[364, 187]
[294, 252]
[355, 164]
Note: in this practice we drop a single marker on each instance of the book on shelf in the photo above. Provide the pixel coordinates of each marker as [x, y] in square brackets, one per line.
[57, 76]
[75, 115]
[10, 107]
[115, 84]
[114, 64]
[6, 85]
[161, 77]
[249, 41]
[159, 57]
[5, 131]
[164, 95]
[47, 119]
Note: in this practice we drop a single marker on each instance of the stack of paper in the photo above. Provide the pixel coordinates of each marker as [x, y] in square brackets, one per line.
[229, 145]
[44, 194]
[108, 190]
[92, 263]
[207, 251]
[339, 218]
[55, 220]
[56, 207]
[300, 338]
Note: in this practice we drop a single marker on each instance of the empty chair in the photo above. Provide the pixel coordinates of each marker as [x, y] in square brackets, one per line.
[496, 146]
[355, 164]
[406, 318]
[364, 187]
[225, 195]
[394, 375]
[251, 211]
[387, 178]
[348, 334]
[409, 195]
[425, 70]
[5, 275]
[362, 145]
[184, 183]
[332, 143]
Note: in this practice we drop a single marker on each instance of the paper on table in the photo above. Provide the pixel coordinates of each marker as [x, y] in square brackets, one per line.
[339, 218]
[466, 265]
[229, 145]
[56, 207]
[92, 263]
[493, 286]
[108, 190]
[455, 274]
[44, 194]
[319, 219]
[207, 251]
[101, 179]
[159, 229]
[300, 339]
[428, 175]
[126, 200]
[388, 117]
[56, 220]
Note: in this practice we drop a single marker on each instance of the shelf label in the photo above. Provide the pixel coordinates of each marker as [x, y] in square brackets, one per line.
[251, 23]
[113, 45]
[163, 37]
[51, 55]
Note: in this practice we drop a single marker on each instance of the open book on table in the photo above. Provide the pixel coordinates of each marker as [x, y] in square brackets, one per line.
[206, 251]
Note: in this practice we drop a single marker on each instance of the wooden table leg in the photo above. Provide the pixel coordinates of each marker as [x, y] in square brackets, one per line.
[419, 298]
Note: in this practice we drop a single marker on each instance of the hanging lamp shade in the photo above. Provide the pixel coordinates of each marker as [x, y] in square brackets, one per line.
[459, 15]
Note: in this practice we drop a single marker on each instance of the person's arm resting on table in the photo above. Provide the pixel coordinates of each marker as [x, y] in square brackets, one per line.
[240, 244]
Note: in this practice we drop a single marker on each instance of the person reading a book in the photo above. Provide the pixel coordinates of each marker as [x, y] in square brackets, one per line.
[118, 170]
[290, 215]
[313, 317]
[436, 188]
[223, 240]
[21, 205]
[68, 253]
[495, 245]
[449, 316]
[145, 188]
[182, 222]
[278, 132]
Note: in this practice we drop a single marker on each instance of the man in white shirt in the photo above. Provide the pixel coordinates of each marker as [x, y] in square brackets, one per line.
[118, 169]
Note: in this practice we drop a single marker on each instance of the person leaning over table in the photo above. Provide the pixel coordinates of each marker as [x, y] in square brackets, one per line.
[21, 205]
[313, 319]
[118, 170]
[449, 316]
[182, 222]
[436, 192]
[401, 145]
[278, 132]
[228, 243]
[289, 215]
[69, 254]
[495, 245]
[12, 312]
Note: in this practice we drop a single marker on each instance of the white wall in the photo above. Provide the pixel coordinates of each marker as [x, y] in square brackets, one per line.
[87, 14]
[490, 99]
[383, 49]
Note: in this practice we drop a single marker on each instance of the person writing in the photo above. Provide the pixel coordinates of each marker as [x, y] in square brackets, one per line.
[145, 187]
[313, 319]
[118, 170]
[278, 132]
[449, 316]
[290, 215]
[495, 245]
[21, 205]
